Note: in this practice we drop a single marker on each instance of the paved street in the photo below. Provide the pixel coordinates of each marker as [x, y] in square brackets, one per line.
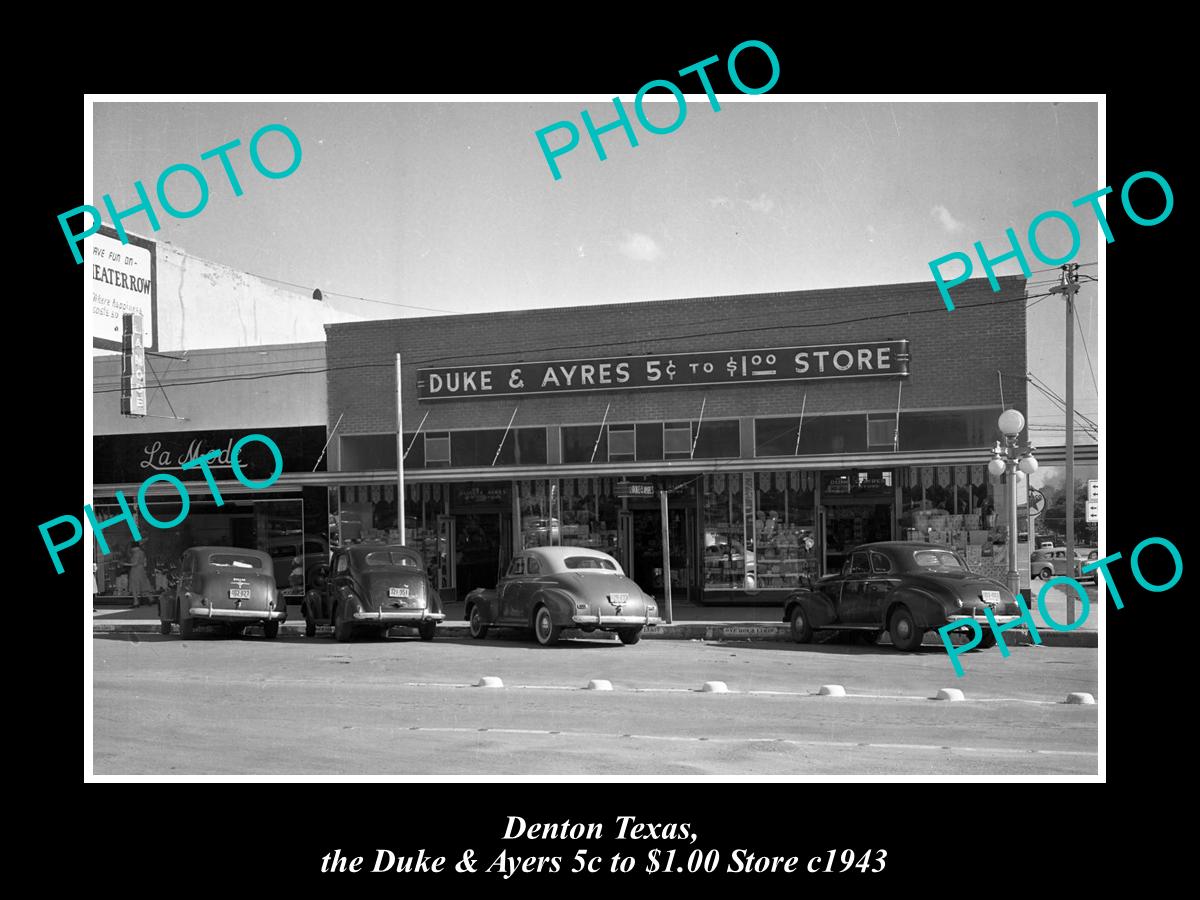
[298, 706]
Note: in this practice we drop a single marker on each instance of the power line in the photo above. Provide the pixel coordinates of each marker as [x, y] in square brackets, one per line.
[1086, 355]
[605, 344]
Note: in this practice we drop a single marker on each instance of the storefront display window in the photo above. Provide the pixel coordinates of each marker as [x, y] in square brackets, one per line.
[954, 506]
[759, 530]
[571, 512]
[274, 526]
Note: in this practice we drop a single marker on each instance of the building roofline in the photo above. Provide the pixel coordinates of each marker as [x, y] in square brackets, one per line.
[1008, 283]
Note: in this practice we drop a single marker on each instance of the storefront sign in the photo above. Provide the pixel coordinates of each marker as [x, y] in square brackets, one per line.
[125, 458]
[870, 359]
[634, 489]
[120, 278]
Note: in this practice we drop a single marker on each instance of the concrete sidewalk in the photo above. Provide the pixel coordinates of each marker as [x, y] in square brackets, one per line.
[696, 623]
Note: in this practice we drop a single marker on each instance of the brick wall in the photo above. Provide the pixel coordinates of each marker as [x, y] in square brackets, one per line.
[955, 355]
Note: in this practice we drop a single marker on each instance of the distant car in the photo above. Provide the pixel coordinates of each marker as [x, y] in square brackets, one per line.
[223, 586]
[1093, 575]
[904, 588]
[372, 586]
[548, 589]
[1051, 561]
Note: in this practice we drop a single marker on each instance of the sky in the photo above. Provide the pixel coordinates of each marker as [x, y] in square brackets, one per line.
[448, 207]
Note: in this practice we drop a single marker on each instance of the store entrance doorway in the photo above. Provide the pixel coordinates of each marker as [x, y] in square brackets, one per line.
[847, 525]
[645, 553]
[478, 546]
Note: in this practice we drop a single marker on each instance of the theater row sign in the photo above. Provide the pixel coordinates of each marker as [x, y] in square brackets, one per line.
[868, 359]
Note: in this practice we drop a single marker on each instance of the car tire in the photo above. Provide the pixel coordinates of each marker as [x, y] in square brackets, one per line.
[270, 630]
[987, 641]
[343, 631]
[310, 628]
[427, 630]
[630, 635]
[903, 629]
[545, 632]
[477, 627]
[1046, 574]
[164, 627]
[802, 631]
[186, 630]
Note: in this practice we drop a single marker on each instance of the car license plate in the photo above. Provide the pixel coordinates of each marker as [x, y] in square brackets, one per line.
[239, 593]
[991, 596]
[618, 598]
[398, 592]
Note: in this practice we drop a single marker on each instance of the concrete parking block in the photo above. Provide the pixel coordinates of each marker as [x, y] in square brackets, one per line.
[832, 690]
[949, 694]
[490, 681]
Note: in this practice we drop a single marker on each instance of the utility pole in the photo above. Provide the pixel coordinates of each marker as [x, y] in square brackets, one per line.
[1068, 286]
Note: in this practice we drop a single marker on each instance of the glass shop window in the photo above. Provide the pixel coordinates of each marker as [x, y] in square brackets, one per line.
[437, 449]
[649, 440]
[881, 432]
[621, 443]
[677, 439]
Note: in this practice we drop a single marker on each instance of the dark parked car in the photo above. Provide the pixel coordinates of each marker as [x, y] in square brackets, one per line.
[224, 586]
[903, 588]
[372, 586]
[548, 589]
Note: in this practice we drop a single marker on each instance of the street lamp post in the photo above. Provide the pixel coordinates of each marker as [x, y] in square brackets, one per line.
[1007, 458]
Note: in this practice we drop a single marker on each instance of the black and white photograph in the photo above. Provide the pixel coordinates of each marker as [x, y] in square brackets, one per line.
[697, 433]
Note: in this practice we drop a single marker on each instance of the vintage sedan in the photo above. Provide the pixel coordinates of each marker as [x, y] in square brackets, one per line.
[372, 587]
[548, 589]
[1051, 561]
[901, 587]
[227, 587]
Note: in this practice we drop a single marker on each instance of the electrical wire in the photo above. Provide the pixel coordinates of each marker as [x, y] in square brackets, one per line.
[1045, 388]
[776, 326]
[1087, 355]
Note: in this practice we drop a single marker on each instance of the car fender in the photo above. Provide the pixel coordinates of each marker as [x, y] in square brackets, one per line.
[927, 610]
[817, 608]
[560, 604]
[485, 599]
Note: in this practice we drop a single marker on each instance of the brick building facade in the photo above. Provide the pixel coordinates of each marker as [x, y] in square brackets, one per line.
[770, 476]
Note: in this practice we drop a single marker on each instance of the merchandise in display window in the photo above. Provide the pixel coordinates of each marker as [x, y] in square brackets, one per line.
[574, 512]
[363, 513]
[759, 530]
[955, 506]
[151, 569]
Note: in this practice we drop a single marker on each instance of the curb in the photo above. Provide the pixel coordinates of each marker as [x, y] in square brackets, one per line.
[683, 631]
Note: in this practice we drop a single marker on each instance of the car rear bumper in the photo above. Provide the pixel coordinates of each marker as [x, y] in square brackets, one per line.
[616, 620]
[207, 612]
[397, 616]
[982, 620]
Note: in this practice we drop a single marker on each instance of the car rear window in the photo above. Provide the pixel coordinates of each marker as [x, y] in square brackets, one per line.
[235, 561]
[390, 558]
[941, 560]
[590, 562]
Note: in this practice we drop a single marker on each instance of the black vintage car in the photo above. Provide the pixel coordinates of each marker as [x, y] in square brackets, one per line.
[903, 588]
[372, 586]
